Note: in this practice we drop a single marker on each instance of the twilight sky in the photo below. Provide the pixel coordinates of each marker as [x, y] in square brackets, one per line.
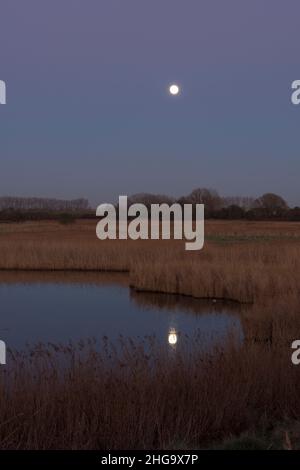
[88, 114]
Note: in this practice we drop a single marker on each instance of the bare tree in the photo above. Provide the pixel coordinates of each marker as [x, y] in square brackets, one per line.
[272, 202]
[209, 197]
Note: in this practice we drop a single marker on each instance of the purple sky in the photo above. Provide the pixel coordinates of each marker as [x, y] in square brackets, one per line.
[88, 113]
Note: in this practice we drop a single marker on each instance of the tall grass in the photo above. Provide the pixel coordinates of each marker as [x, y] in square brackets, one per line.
[247, 271]
[142, 396]
[244, 272]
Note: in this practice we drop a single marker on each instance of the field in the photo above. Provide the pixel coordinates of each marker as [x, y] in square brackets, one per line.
[237, 396]
[243, 261]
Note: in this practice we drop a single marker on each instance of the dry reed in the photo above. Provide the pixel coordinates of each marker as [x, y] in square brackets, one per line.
[142, 397]
[259, 267]
[139, 396]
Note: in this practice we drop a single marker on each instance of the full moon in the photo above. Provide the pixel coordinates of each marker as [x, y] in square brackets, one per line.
[174, 89]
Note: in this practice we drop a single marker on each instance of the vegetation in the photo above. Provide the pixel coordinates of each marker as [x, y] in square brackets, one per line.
[42, 204]
[139, 396]
[246, 262]
[238, 394]
[12, 215]
[267, 207]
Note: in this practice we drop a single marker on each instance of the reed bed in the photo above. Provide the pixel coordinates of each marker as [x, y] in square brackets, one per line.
[247, 271]
[62, 255]
[141, 396]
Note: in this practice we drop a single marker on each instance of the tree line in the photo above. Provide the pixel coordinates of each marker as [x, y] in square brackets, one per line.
[38, 203]
[269, 206]
[21, 209]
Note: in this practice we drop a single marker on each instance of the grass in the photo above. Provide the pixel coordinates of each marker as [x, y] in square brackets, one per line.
[86, 396]
[126, 398]
[263, 276]
[257, 261]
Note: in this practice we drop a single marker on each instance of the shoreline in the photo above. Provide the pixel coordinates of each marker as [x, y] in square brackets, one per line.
[247, 272]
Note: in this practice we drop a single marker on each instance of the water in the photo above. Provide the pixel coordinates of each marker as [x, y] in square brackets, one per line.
[58, 307]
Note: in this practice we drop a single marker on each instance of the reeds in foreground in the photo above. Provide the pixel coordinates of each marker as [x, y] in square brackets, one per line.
[140, 396]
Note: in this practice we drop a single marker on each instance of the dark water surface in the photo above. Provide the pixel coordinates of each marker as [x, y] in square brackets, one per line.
[58, 307]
